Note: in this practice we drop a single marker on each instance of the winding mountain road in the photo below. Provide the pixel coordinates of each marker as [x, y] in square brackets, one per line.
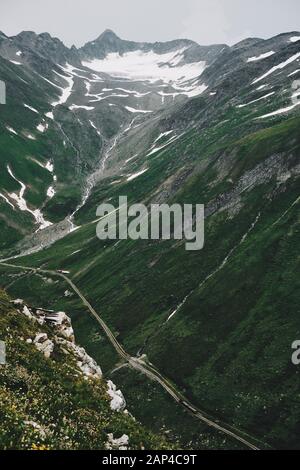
[137, 364]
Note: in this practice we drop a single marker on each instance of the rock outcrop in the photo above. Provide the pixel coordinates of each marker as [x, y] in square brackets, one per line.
[43, 344]
[63, 339]
[117, 444]
[118, 402]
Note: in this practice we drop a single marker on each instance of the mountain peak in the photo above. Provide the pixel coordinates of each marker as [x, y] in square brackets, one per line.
[108, 34]
[107, 42]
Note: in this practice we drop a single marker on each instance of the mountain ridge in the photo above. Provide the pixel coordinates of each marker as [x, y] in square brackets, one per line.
[110, 33]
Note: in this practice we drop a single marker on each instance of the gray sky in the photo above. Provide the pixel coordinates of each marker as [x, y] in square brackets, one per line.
[204, 21]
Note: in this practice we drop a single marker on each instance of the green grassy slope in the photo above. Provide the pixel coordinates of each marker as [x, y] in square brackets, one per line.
[229, 345]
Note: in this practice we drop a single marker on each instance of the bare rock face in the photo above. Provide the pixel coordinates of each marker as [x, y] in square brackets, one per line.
[118, 402]
[43, 344]
[62, 325]
[64, 339]
[86, 364]
[27, 312]
[117, 444]
[18, 302]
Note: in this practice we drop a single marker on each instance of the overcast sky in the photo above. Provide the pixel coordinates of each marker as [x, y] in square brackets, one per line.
[204, 21]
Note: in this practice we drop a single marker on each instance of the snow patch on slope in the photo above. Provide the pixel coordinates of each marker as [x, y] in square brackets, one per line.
[279, 111]
[49, 166]
[147, 66]
[50, 115]
[22, 204]
[118, 402]
[134, 110]
[95, 127]
[135, 175]
[255, 101]
[11, 130]
[31, 108]
[42, 127]
[278, 67]
[75, 106]
[151, 67]
[50, 192]
[261, 56]
[67, 91]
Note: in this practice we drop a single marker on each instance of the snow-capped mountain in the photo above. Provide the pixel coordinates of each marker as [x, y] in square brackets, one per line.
[108, 87]
[101, 89]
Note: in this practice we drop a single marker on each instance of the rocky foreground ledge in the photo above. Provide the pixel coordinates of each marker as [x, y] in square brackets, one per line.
[53, 394]
[64, 339]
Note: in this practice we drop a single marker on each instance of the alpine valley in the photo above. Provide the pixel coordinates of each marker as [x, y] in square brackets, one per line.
[199, 342]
